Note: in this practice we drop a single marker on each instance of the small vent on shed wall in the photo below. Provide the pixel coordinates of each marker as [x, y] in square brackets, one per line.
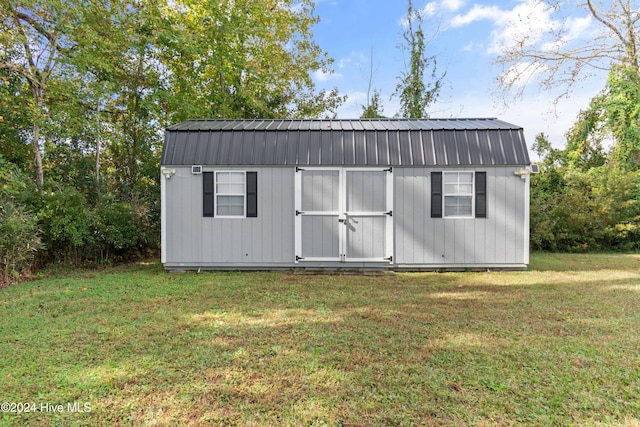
[196, 170]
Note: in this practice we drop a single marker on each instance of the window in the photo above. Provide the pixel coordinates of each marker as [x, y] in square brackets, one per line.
[458, 194]
[230, 193]
[464, 194]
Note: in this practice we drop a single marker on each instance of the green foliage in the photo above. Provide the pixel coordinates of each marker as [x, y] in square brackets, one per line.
[574, 210]
[243, 59]
[120, 230]
[19, 230]
[420, 85]
[614, 116]
[86, 89]
[12, 120]
[374, 109]
[66, 221]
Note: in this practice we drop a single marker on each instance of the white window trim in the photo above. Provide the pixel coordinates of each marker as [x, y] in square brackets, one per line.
[473, 195]
[215, 194]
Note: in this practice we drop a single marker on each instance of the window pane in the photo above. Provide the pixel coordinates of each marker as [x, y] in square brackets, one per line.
[450, 188]
[222, 177]
[450, 178]
[230, 211]
[465, 177]
[230, 188]
[465, 188]
[231, 205]
[458, 206]
[230, 177]
[458, 183]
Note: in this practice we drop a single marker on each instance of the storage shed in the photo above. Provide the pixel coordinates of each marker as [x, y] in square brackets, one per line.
[414, 194]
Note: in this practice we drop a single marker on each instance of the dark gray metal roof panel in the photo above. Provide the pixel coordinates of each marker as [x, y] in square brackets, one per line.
[361, 142]
[327, 147]
[314, 148]
[462, 143]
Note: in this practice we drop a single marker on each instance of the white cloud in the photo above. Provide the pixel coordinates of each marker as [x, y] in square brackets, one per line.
[430, 9]
[322, 76]
[522, 73]
[575, 28]
[529, 20]
[477, 13]
[343, 62]
[469, 47]
[351, 108]
[452, 5]
[531, 112]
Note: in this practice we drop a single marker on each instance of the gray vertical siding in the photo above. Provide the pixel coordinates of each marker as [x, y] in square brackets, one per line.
[419, 240]
[498, 239]
[193, 240]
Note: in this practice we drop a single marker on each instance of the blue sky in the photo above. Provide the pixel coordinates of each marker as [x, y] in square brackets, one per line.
[470, 37]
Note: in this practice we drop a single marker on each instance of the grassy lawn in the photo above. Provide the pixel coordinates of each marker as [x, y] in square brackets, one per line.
[556, 345]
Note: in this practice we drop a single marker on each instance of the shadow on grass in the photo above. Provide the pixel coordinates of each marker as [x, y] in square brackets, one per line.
[281, 349]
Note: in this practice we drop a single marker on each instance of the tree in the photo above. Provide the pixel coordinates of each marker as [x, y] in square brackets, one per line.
[613, 115]
[31, 43]
[373, 109]
[416, 93]
[244, 59]
[557, 59]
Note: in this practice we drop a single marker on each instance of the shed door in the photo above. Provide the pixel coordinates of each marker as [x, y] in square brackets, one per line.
[344, 215]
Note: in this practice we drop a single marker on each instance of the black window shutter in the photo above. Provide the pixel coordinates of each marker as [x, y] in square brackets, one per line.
[436, 194]
[481, 194]
[207, 194]
[252, 194]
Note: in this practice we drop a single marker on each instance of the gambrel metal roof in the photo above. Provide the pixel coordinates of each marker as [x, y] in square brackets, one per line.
[359, 142]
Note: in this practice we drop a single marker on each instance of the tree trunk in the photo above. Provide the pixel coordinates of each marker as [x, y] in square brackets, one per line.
[38, 96]
[35, 143]
[98, 170]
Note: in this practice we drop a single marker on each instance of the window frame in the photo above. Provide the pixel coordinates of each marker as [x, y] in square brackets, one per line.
[446, 194]
[216, 193]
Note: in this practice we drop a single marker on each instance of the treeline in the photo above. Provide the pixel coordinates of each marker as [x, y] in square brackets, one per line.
[86, 89]
[575, 210]
[587, 196]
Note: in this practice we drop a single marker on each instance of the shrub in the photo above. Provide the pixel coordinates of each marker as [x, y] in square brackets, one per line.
[19, 230]
[578, 211]
[66, 222]
[115, 230]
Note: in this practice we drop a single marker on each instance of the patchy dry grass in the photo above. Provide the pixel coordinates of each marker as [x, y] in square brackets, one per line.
[556, 345]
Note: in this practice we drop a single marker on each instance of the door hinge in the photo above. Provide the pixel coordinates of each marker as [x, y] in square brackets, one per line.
[390, 213]
[390, 259]
[298, 258]
[298, 169]
[390, 169]
[299, 212]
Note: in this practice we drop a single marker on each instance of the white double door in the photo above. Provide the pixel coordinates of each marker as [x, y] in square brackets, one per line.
[344, 214]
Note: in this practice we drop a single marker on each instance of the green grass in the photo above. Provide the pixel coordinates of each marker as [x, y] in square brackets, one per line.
[556, 345]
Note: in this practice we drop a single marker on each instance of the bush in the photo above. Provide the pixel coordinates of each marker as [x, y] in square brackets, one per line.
[576, 211]
[66, 222]
[19, 230]
[19, 242]
[115, 231]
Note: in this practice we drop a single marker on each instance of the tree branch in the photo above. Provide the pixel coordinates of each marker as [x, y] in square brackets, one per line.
[606, 23]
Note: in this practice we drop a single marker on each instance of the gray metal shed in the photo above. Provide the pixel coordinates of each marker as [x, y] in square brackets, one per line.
[385, 193]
